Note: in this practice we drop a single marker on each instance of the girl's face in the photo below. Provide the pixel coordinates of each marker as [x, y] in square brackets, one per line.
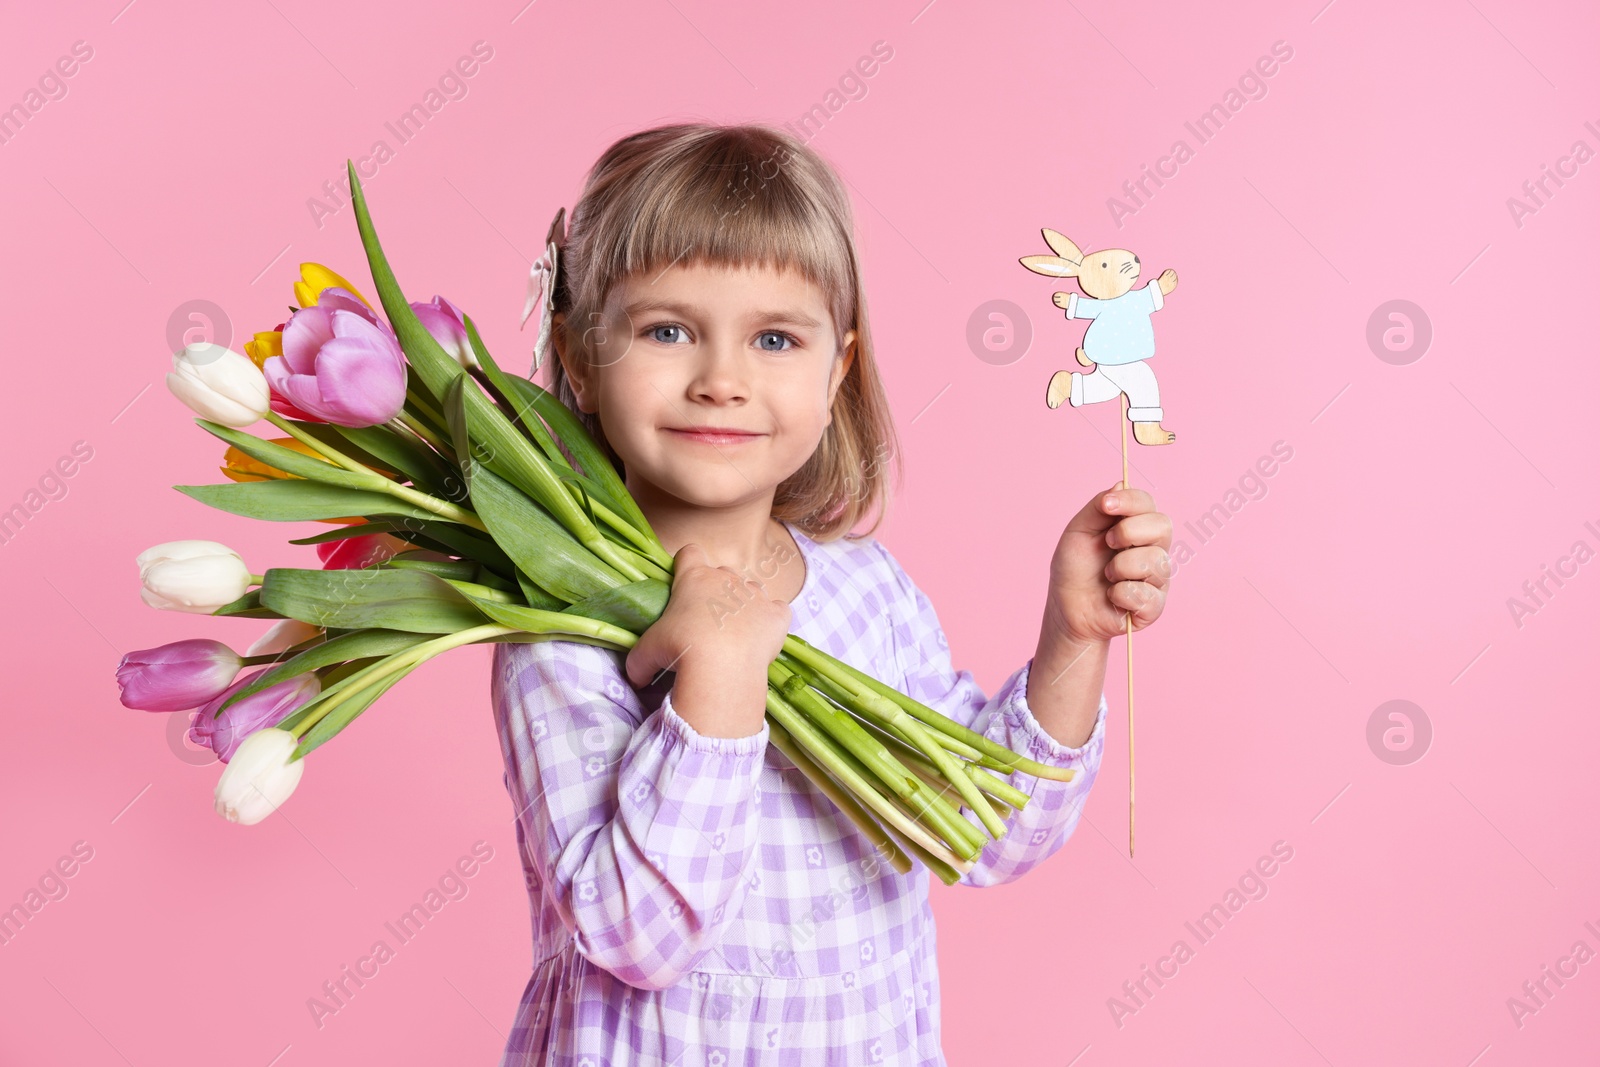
[747, 351]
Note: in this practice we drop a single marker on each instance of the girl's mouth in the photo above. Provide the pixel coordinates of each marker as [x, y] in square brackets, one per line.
[712, 436]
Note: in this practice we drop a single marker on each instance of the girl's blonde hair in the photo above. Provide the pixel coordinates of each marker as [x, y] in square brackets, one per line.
[736, 196]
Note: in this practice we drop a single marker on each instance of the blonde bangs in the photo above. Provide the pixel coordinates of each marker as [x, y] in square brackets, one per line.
[714, 211]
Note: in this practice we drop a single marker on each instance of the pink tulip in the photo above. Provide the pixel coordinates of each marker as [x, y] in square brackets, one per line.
[278, 403]
[258, 711]
[449, 327]
[340, 363]
[176, 676]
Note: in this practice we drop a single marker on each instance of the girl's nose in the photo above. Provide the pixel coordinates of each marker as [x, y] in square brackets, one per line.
[721, 376]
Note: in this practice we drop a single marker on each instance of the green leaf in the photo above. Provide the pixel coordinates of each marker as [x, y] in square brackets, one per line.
[506, 394]
[438, 535]
[409, 600]
[537, 621]
[633, 606]
[295, 500]
[501, 447]
[421, 403]
[247, 607]
[463, 541]
[330, 677]
[360, 529]
[541, 547]
[333, 436]
[462, 570]
[584, 448]
[335, 675]
[287, 459]
[484, 576]
[431, 362]
[345, 713]
[588, 503]
[542, 478]
[455, 418]
[537, 597]
[427, 470]
[357, 644]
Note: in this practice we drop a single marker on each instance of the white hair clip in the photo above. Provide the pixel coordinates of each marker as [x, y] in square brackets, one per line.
[542, 286]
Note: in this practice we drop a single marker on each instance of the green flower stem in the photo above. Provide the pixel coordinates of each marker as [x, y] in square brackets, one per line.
[890, 713]
[257, 579]
[619, 556]
[427, 409]
[961, 835]
[406, 424]
[930, 774]
[524, 637]
[903, 805]
[881, 841]
[642, 542]
[441, 508]
[849, 772]
[648, 565]
[954, 745]
[557, 625]
[1009, 761]
[321, 447]
[997, 788]
[411, 657]
[948, 874]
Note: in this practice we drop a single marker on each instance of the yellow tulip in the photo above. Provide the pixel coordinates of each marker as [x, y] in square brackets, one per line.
[264, 346]
[314, 278]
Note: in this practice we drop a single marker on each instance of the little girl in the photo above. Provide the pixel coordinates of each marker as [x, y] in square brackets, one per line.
[695, 898]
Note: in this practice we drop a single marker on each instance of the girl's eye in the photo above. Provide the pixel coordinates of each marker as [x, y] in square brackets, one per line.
[670, 333]
[655, 333]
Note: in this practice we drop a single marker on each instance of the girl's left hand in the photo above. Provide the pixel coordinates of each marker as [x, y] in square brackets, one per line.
[1111, 561]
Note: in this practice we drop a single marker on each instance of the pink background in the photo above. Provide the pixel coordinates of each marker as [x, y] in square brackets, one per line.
[1377, 567]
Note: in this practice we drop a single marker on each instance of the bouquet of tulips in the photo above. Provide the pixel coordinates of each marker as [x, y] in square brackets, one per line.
[471, 506]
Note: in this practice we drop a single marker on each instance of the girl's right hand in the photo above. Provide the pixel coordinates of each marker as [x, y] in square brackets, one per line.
[720, 632]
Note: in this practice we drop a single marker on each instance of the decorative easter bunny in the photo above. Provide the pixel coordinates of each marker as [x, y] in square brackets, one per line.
[1120, 338]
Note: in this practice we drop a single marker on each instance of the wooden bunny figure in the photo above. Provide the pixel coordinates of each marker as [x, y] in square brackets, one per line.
[1120, 337]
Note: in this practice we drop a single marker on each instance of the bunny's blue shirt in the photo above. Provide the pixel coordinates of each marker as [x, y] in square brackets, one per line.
[1121, 330]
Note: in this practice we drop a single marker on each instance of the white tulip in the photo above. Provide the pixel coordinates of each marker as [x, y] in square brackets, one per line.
[193, 576]
[259, 777]
[219, 384]
[286, 633]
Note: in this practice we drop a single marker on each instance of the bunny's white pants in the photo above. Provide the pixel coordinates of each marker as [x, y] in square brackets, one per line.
[1110, 380]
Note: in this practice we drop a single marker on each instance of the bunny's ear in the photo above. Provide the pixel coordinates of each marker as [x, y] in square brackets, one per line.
[1063, 246]
[1054, 266]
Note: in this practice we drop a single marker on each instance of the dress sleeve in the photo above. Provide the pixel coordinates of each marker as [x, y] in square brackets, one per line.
[1043, 826]
[644, 830]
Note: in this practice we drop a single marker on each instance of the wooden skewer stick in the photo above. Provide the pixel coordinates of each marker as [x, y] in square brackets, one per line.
[1129, 641]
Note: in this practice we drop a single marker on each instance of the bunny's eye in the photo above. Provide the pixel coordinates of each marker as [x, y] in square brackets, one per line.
[1102, 262]
[1136, 259]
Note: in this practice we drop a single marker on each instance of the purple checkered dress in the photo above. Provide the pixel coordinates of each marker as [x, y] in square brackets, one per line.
[696, 900]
